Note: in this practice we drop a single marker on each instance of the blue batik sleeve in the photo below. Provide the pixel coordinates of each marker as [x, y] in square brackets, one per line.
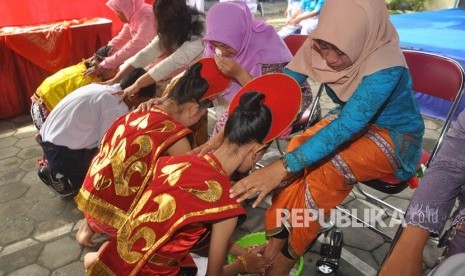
[300, 78]
[357, 113]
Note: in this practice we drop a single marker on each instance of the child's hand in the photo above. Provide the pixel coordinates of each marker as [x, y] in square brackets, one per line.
[257, 249]
[256, 263]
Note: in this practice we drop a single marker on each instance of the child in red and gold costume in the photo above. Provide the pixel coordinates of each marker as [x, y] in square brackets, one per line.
[125, 163]
[189, 193]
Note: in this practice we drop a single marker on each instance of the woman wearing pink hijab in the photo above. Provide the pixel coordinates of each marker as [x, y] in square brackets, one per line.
[244, 48]
[139, 29]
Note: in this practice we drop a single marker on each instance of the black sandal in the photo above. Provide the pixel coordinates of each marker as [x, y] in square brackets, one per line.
[330, 253]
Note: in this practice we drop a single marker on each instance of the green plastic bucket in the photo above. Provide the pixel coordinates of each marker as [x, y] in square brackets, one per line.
[259, 238]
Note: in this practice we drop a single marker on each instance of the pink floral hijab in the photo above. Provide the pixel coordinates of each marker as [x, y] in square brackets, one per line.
[362, 30]
[256, 42]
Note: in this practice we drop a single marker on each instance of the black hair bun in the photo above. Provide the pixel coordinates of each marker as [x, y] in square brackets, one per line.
[250, 102]
[195, 69]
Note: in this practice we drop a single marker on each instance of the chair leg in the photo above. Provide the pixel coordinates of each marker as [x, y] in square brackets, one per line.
[260, 9]
[385, 236]
[378, 201]
[280, 149]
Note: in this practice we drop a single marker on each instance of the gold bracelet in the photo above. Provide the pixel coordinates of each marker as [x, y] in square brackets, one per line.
[244, 264]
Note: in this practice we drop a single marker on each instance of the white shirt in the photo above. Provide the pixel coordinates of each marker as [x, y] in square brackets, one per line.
[81, 119]
[183, 56]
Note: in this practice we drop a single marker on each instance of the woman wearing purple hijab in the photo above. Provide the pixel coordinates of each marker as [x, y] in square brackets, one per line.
[243, 48]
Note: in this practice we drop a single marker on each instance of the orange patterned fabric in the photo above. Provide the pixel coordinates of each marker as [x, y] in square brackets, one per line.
[47, 46]
[327, 183]
[187, 192]
[124, 165]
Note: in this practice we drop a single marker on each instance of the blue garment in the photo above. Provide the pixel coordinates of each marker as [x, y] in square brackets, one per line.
[383, 98]
[311, 5]
[70, 163]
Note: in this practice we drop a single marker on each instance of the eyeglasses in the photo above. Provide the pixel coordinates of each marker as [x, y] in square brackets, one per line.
[205, 103]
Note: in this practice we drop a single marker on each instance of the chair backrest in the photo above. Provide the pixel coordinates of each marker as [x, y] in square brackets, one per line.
[435, 75]
[438, 76]
[294, 42]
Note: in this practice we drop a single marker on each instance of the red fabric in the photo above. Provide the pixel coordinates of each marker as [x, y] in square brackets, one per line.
[30, 12]
[186, 192]
[20, 77]
[123, 167]
[98, 227]
[46, 45]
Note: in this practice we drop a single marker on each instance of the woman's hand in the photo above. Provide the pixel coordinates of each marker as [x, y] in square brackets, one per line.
[231, 68]
[260, 182]
[210, 145]
[130, 91]
[296, 21]
[96, 70]
[228, 66]
[148, 104]
[112, 81]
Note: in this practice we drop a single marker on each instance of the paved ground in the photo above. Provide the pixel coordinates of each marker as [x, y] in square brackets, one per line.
[37, 227]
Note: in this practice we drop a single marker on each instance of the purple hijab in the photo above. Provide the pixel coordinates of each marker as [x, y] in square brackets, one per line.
[256, 42]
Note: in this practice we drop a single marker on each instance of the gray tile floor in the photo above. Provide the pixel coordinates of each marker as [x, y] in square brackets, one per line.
[37, 227]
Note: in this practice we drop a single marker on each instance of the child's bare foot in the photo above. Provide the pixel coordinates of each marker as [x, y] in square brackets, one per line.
[84, 235]
[91, 257]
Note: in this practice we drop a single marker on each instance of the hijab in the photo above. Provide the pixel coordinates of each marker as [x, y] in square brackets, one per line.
[256, 42]
[359, 28]
[127, 7]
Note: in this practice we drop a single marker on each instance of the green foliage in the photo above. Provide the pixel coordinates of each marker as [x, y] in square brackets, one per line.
[403, 5]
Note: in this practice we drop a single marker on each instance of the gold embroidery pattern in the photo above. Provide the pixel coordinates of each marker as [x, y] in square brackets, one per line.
[152, 164]
[103, 159]
[46, 43]
[126, 238]
[174, 227]
[213, 193]
[167, 126]
[124, 169]
[213, 163]
[174, 172]
[100, 269]
[97, 208]
[141, 122]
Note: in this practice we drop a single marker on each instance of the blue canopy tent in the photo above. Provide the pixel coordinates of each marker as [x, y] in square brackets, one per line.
[441, 32]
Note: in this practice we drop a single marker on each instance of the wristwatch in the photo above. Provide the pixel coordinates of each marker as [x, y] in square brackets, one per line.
[288, 170]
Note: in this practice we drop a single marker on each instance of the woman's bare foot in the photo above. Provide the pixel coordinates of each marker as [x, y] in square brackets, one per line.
[281, 266]
[84, 235]
[273, 247]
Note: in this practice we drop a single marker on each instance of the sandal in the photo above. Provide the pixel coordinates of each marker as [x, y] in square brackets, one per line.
[330, 253]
